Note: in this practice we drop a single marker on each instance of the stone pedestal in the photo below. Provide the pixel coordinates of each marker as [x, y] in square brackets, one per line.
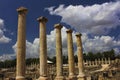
[81, 75]
[21, 44]
[110, 73]
[88, 78]
[59, 59]
[100, 77]
[43, 78]
[43, 48]
[60, 78]
[20, 78]
[70, 55]
[81, 78]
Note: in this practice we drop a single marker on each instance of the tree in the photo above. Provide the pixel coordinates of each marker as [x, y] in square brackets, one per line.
[91, 56]
[109, 54]
[65, 59]
[99, 55]
[54, 60]
[76, 58]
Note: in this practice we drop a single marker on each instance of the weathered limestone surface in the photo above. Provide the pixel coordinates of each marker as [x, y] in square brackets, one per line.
[70, 55]
[21, 44]
[100, 77]
[81, 75]
[59, 62]
[43, 48]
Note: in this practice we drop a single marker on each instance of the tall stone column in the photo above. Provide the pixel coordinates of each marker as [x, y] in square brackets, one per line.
[81, 75]
[87, 63]
[59, 61]
[21, 44]
[43, 48]
[90, 63]
[109, 61]
[96, 62]
[99, 61]
[70, 55]
[105, 62]
[102, 61]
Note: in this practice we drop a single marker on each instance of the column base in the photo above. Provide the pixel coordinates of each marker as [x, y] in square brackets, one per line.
[81, 77]
[59, 78]
[20, 78]
[72, 77]
[43, 78]
[100, 77]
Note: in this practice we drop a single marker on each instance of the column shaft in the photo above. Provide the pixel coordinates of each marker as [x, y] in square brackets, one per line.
[43, 48]
[81, 75]
[21, 44]
[43, 57]
[70, 55]
[59, 61]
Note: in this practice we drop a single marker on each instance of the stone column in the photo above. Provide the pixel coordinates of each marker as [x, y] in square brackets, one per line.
[81, 75]
[21, 44]
[96, 62]
[102, 61]
[87, 63]
[90, 63]
[109, 61]
[59, 62]
[43, 48]
[70, 55]
[99, 61]
[105, 61]
[93, 63]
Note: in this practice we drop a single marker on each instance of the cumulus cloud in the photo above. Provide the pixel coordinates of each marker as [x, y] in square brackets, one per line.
[1, 23]
[51, 39]
[97, 19]
[7, 57]
[3, 38]
[101, 44]
[32, 48]
[96, 44]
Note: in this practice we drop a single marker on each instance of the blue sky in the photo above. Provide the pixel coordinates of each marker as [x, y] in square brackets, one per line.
[97, 20]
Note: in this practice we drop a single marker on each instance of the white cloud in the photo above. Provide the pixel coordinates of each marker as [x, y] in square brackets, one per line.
[96, 44]
[1, 23]
[32, 49]
[101, 44]
[3, 38]
[6, 57]
[96, 19]
[1, 33]
[51, 39]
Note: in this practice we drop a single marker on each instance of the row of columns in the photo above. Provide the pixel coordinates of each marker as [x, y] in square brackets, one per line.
[20, 73]
[97, 62]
